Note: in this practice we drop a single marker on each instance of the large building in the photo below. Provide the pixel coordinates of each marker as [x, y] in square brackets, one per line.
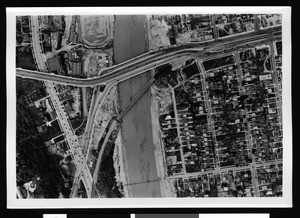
[54, 64]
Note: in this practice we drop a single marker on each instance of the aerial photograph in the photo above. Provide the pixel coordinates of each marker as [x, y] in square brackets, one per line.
[149, 106]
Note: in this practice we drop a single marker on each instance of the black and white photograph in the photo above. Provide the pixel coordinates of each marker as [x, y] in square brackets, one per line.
[178, 107]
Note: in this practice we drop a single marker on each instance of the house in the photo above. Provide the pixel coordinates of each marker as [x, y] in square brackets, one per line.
[42, 128]
[265, 77]
[68, 108]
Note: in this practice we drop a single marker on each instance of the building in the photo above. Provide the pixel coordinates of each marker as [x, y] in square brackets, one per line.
[54, 64]
[77, 69]
[52, 115]
[171, 160]
[265, 77]
[33, 96]
[46, 40]
[42, 128]
[69, 110]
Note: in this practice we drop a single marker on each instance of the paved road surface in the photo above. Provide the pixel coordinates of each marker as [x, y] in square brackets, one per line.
[61, 114]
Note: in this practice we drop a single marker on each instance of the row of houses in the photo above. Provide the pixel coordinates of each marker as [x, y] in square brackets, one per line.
[232, 183]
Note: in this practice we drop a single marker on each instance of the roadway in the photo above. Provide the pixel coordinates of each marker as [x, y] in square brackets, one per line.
[113, 126]
[98, 102]
[178, 129]
[79, 158]
[275, 77]
[122, 71]
[208, 108]
[61, 114]
[223, 170]
[130, 71]
[248, 134]
[84, 101]
[150, 60]
[103, 146]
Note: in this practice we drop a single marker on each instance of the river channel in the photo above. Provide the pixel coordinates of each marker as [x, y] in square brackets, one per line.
[136, 125]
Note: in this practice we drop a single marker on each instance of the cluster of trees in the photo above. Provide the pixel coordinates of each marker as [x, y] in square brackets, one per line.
[33, 159]
[106, 183]
[24, 58]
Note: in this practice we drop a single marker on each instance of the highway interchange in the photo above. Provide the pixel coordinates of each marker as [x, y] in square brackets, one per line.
[111, 77]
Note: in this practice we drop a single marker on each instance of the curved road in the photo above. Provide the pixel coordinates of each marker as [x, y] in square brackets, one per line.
[71, 138]
[150, 60]
[126, 70]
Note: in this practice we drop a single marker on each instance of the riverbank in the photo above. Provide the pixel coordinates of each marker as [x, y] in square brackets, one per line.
[166, 186]
[121, 166]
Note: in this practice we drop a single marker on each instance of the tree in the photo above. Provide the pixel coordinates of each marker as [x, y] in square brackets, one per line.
[106, 183]
[33, 158]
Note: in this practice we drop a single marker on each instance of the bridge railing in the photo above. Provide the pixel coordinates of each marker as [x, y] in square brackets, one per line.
[135, 99]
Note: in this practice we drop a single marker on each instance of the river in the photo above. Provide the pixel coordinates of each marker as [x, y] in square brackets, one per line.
[129, 36]
[136, 124]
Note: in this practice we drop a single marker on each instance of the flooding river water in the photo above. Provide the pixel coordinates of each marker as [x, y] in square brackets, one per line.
[136, 125]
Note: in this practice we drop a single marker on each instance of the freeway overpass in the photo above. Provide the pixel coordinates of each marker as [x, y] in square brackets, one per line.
[134, 66]
[153, 59]
[99, 100]
[130, 71]
[113, 125]
[71, 138]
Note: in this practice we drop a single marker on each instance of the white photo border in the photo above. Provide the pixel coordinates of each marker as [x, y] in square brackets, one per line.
[13, 202]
